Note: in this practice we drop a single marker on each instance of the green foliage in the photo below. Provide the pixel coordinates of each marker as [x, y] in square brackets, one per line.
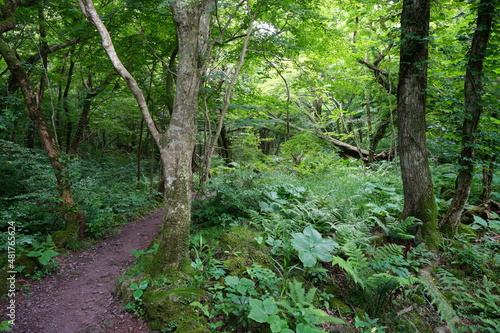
[301, 146]
[312, 247]
[297, 309]
[138, 289]
[44, 252]
[227, 198]
[140, 253]
[5, 326]
[368, 325]
[376, 277]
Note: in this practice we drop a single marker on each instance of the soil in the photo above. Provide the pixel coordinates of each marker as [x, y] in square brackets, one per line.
[79, 297]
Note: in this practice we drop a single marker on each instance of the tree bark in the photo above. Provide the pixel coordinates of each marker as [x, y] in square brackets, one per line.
[487, 180]
[473, 90]
[419, 198]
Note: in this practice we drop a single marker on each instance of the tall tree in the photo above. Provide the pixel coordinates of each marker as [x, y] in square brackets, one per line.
[473, 90]
[176, 144]
[33, 100]
[419, 198]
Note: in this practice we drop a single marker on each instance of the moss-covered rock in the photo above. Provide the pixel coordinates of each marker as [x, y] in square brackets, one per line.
[29, 264]
[193, 325]
[66, 238]
[169, 309]
[244, 251]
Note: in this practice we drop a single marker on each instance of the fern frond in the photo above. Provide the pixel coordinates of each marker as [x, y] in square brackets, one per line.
[256, 218]
[388, 252]
[351, 270]
[356, 256]
[445, 310]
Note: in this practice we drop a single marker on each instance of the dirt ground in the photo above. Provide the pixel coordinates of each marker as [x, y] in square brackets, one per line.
[79, 297]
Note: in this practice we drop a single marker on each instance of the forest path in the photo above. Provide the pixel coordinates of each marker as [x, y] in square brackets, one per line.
[79, 297]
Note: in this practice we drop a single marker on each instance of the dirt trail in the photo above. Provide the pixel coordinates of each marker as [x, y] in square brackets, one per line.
[79, 298]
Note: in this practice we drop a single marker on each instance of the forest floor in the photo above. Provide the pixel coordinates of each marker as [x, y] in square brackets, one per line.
[79, 297]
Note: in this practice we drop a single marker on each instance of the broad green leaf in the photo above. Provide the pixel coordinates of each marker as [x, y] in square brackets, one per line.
[307, 258]
[34, 254]
[277, 324]
[270, 306]
[301, 244]
[312, 233]
[304, 328]
[480, 221]
[257, 311]
[138, 293]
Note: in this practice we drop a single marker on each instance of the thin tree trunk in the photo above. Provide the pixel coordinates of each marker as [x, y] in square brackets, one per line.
[209, 151]
[139, 151]
[86, 107]
[487, 180]
[417, 182]
[74, 224]
[170, 81]
[473, 90]
[69, 124]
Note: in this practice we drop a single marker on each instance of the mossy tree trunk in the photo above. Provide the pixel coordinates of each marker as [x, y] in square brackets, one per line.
[473, 90]
[417, 182]
[192, 19]
[33, 103]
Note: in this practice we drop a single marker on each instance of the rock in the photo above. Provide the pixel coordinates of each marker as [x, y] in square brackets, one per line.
[170, 309]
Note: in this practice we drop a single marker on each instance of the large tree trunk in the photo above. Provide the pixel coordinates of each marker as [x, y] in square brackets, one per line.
[176, 145]
[192, 19]
[417, 182]
[473, 108]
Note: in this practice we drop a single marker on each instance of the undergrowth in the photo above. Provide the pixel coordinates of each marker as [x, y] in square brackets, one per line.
[106, 192]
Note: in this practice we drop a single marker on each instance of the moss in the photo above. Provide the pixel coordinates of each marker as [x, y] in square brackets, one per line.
[244, 250]
[30, 264]
[341, 307]
[168, 309]
[193, 325]
[66, 238]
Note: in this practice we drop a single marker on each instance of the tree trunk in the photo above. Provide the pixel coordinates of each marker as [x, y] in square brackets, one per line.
[473, 108]
[176, 145]
[86, 107]
[192, 20]
[73, 222]
[209, 149]
[417, 182]
[487, 180]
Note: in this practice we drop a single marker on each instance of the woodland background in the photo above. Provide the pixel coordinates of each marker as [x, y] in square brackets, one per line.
[304, 213]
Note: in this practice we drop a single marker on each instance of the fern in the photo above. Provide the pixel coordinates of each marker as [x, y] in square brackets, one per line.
[444, 308]
[397, 230]
[372, 274]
